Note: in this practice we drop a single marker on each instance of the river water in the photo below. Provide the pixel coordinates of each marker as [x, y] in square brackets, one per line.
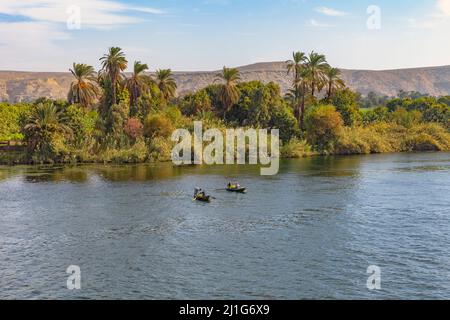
[309, 232]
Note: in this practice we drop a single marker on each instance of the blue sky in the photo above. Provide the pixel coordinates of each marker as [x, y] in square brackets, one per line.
[207, 34]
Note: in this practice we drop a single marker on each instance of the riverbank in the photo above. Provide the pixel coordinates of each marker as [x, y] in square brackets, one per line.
[376, 138]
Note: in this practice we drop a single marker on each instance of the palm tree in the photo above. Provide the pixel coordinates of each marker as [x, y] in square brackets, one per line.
[229, 93]
[316, 65]
[334, 81]
[135, 84]
[43, 124]
[113, 64]
[296, 66]
[83, 89]
[166, 83]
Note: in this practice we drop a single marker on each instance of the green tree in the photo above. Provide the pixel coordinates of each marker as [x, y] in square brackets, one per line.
[229, 93]
[333, 81]
[438, 112]
[113, 65]
[346, 103]
[83, 90]
[151, 100]
[82, 123]
[323, 125]
[166, 83]
[11, 120]
[297, 92]
[46, 132]
[157, 126]
[406, 118]
[136, 83]
[316, 64]
[198, 103]
[370, 116]
[281, 118]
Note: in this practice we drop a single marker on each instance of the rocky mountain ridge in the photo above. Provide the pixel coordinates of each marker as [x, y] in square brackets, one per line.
[18, 86]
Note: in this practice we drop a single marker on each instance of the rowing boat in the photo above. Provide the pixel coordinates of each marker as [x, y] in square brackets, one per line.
[238, 190]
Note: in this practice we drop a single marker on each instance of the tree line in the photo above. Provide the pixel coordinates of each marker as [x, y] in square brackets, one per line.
[109, 116]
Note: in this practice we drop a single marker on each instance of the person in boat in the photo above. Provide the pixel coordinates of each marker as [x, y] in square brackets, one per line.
[199, 193]
[233, 185]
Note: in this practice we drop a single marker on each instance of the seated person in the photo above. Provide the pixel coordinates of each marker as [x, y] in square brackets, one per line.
[199, 193]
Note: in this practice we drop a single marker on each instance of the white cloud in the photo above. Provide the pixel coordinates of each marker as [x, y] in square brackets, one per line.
[331, 12]
[94, 13]
[30, 45]
[36, 44]
[444, 6]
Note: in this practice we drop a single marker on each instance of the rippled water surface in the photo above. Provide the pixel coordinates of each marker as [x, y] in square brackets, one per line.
[309, 232]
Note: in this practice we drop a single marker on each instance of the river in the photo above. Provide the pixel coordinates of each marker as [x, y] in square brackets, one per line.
[309, 232]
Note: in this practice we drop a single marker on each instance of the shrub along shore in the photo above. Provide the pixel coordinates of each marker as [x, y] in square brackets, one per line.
[109, 117]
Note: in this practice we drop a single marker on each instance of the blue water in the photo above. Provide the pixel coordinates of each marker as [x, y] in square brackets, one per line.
[309, 232]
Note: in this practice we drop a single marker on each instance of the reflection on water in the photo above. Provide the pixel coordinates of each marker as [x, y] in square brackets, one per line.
[321, 166]
[309, 232]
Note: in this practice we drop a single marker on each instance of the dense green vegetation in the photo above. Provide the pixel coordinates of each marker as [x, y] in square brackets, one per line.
[109, 117]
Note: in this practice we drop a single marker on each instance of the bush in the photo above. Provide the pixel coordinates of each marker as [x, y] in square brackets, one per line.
[371, 116]
[158, 126]
[363, 140]
[323, 125]
[391, 137]
[406, 118]
[421, 142]
[133, 128]
[82, 123]
[351, 141]
[134, 154]
[296, 148]
[427, 137]
[46, 134]
[11, 117]
[160, 149]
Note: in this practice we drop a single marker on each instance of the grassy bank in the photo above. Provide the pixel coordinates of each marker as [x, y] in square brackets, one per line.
[376, 138]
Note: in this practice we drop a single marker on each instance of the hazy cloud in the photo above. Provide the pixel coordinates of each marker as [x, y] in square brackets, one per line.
[331, 12]
[94, 13]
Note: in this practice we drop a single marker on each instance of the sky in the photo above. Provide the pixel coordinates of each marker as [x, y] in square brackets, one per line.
[188, 35]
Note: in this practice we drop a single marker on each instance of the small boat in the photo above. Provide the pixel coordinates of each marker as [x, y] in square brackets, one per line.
[200, 195]
[203, 198]
[236, 188]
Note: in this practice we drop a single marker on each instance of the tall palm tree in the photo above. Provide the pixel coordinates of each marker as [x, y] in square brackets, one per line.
[296, 94]
[333, 80]
[113, 64]
[295, 65]
[229, 93]
[316, 65]
[136, 83]
[166, 83]
[83, 89]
